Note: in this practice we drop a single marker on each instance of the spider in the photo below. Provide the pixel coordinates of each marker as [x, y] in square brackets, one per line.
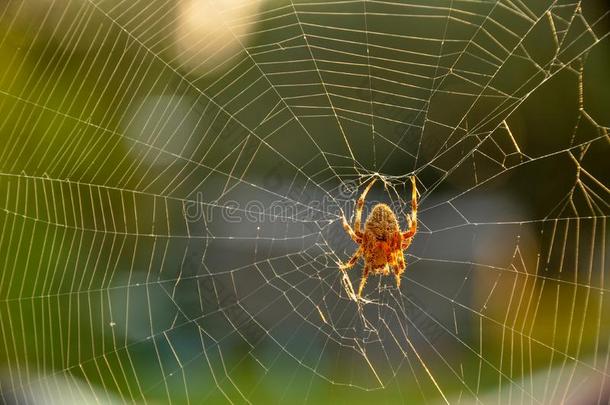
[382, 242]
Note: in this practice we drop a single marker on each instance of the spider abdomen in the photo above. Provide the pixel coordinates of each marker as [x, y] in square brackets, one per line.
[382, 222]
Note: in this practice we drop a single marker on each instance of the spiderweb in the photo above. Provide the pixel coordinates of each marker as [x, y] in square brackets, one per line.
[172, 198]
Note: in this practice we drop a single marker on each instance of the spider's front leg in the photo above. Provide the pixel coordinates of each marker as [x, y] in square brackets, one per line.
[406, 243]
[350, 263]
[365, 274]
[400, 268]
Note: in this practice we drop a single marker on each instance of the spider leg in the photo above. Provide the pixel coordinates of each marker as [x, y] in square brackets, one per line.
[355, 237]
[399, 269]
[360, 204]
[365, 274]
[393, 257]
[350, 263]
[412, 219]
[406, 243]
[400, 261]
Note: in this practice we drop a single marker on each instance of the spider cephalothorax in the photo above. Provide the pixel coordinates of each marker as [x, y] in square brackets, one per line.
[382, 242]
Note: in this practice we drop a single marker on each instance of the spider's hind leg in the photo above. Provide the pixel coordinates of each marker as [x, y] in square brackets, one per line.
[359, 205]
[412, 218]
[356, 237]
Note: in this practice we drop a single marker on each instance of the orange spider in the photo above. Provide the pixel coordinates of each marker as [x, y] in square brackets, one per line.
[382, 242]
